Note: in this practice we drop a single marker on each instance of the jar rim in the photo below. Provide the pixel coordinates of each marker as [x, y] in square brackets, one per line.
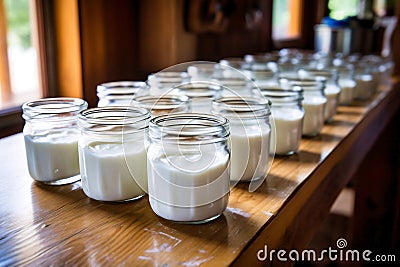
[242, 107]
[199, 89]
[54, 107]
[98, 118]
[189, 128]
[161, 102]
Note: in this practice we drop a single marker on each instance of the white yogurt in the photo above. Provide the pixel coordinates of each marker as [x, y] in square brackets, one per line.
[105, 172]
[189, 187]
[364, 88]
[288, 129]
[347, 92]
[314, 116]
[52, 156]
[332, 96]
[249, 152]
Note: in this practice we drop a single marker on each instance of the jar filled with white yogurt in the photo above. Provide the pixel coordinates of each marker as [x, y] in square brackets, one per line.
[188, 166]
[120, 93]
[51, 139]
[112, 155]
[287, 112]
[163, 104]
[250, 135]
[200, 94]
[332, 88]
[161, 83]
[347, 83]
[314, 102]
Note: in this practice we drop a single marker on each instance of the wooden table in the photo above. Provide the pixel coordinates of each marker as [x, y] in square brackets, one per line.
[58, 225]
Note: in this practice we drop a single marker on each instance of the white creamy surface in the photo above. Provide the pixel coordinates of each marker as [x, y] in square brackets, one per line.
[347, 92]
[332, 97]
[105, 173]
[364, 88]
[288, 127]
[189, 185]
[314, 116]
[249, 152]
[52, 156]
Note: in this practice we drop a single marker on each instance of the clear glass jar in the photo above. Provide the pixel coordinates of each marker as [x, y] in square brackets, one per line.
[201, 95]
[265, 75]
[347, 83]
[120, 93]
[250, 135]
[365, 84]
[204, 71]
[314, 102]
[235, 86]
[165, 104]
[188, 157]
[288, 113]
[112, 155]
[332, 88]
[161, 83]
[51, 139]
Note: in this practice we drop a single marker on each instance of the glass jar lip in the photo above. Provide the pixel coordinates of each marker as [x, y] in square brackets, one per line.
[189, 128]
[161, 102]
[306, 83]
[199, 89]
[242, 107]
[117, 88]
[135, 117]
[294, 93]
[54, 107]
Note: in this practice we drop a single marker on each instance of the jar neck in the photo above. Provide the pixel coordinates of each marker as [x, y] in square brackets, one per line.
[188, 129]
[247, 108]
[113, 120]
[53, 110]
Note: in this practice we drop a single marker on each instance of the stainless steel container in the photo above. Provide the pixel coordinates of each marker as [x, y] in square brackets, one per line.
[330, 39]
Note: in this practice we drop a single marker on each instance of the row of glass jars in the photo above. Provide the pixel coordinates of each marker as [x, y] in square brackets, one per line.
[113, 157]
[120, 152]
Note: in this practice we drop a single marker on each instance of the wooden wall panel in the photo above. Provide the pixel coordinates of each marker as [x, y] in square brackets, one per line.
[108, 43]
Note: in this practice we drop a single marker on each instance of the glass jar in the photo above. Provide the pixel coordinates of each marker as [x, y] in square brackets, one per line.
[365, 85]
[112, 155]
[161, 83]
[188, 157]
[332, 88]
[164, 104]
[235, 86]
[120, 93]
[204, 71]
[265, 75]
[250, 135]
[201, 95]
[51, 139]
[314, 102]
[347, 83]
[287, 112]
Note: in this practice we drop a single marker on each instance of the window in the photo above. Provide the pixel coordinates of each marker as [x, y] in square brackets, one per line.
[286, 19]
[340, 9]
[19, 78]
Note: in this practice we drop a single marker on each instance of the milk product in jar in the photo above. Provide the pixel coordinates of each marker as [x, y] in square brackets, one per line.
[189, 187]
[347, 92]
[332, 97]
[288, 127]
[314, 109]
[188, 166]
[364, 88]
[52, 155]
[250, 152]
[106, 175]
